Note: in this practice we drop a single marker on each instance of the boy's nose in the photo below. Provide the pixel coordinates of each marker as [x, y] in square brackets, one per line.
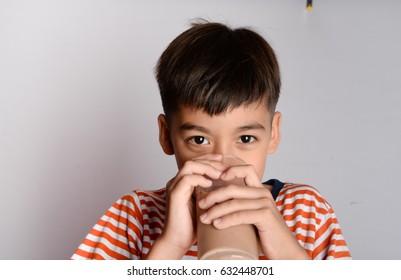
[222, 149]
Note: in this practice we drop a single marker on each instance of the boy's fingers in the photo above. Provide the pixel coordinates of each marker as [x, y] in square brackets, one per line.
[201, 168]
[183, 188]
[246, 172]
[237, 218]
[256, 217]
[233, 206]
[230, 192]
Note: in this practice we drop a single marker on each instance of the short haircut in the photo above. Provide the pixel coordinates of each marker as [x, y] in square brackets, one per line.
[215, 68]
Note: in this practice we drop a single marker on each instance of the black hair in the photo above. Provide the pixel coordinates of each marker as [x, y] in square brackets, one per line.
[216, 68]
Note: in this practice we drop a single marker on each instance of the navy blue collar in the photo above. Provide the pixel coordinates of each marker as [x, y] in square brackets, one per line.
[277, 186]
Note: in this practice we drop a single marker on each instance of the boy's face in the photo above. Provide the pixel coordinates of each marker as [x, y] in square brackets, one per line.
[247, 132]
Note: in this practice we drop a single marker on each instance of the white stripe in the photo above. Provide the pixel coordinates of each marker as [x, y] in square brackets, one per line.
[78, 257]
[98, 251]
[122, 226]
[326, 234]
[289, 189]
[303, 196]
[145, 250]
[109, 245]
[305, 221]
[307, 246]
[153, 209]
[151, 196]
[323, 254]
[189, 257]
[152, 220]
[305, 233]
[146, 238]
[124, 214]
[151, 231]
[305, 209]
[342, 249]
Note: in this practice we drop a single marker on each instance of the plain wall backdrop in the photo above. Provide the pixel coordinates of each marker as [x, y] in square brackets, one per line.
[79, 102]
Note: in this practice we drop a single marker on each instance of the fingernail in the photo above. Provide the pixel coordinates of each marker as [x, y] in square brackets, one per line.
[225, 166]
[217, 221]
[203, 217]
[201, 202]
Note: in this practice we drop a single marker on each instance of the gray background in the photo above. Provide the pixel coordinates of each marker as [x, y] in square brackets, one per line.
[78, 109]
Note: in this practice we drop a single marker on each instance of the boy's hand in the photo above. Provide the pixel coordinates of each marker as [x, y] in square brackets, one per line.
[233, 205]
[179, 230]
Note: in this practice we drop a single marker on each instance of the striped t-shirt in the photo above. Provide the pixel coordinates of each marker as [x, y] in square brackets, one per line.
[129, 228]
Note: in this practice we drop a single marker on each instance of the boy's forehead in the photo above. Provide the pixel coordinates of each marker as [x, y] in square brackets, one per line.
[252, 112]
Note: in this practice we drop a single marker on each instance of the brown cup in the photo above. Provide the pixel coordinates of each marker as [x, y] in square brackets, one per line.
[234, 243]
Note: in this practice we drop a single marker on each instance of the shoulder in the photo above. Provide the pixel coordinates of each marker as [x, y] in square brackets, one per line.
[159, 194]
[302, 196]
[144, 198]
[138, 201]
[313, 221]
[294, 190]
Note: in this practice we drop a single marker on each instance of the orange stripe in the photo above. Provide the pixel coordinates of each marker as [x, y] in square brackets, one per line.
[310, 253]
[305, 239]
[87, 255]
[341, 242]
[341, 254]
[152, 199]
[300, 224]
[132, 212]
[308, 201]
[152, 204]
[191, 253]
[322, 246]
[323, 228]
[290, 186]
[152, 236]
[159, 196]
[109, 252]
[302, 189]
[120, 220]
[297, 213]
[147, 245]
[153, 214]
[117, 243]
[109, 225]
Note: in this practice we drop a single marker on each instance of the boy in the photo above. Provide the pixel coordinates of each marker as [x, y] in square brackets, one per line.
[219, 89]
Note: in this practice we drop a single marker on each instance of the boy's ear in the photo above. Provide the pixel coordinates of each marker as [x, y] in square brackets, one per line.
[275, 135]
[164, 135]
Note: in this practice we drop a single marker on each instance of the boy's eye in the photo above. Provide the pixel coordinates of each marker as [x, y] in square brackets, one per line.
[245, 139]
[199, 140]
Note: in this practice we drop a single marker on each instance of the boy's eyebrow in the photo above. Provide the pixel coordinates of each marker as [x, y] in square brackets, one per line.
[252, 126]
[189, 126]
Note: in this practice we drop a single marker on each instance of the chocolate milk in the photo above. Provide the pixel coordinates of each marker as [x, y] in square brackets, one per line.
[234, 243]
